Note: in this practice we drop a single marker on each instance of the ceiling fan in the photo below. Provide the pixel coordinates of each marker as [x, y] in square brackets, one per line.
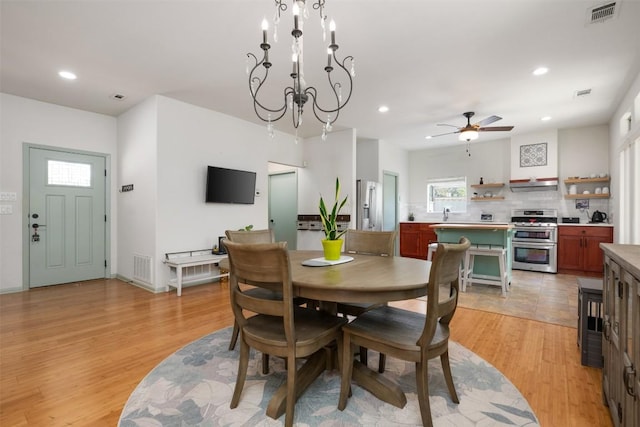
[470, 131]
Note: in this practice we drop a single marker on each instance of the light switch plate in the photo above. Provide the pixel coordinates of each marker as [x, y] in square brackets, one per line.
[8, 197]
[6, 209]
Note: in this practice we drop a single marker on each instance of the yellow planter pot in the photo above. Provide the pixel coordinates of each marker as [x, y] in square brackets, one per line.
[332, 249]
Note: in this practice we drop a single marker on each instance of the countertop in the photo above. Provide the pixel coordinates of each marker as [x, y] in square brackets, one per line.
[586, 224]
[628, 256]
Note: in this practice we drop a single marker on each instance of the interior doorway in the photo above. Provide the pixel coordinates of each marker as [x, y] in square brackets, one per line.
[390, 203]
[283, 206]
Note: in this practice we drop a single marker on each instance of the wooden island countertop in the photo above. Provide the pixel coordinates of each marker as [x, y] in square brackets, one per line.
[474, 226]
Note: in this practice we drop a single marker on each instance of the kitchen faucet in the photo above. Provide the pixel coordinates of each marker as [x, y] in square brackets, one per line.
[445, 214]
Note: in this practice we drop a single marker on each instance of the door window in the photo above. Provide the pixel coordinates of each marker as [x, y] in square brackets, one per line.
[68, 173]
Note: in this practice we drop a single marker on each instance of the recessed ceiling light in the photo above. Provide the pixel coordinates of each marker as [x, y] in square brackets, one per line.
[383, 109]
[540, 71]
[545, 118]
[428, 137]
[67, 75]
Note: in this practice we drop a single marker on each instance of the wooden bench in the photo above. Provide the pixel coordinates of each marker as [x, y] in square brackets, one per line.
[199, 258]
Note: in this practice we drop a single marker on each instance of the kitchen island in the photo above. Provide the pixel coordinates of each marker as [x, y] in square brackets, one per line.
[481, 235]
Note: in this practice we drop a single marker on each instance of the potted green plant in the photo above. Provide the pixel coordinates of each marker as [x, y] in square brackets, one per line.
[332, 244]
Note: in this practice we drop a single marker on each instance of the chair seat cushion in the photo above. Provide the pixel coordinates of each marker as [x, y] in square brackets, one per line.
[313, 328]
[396, 328]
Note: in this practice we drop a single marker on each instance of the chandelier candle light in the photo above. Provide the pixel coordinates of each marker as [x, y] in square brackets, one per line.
[297, 95]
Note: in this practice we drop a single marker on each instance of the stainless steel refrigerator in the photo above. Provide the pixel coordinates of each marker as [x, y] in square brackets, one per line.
[369, 211]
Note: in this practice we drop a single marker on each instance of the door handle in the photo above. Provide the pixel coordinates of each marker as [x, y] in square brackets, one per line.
[629, 376]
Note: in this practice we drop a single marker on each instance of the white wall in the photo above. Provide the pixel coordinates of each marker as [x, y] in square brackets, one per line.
[168, 212]
[325, 161]
[624, 159]
[24, 121]
[489, 160]
[368, 160]
[549, 170]
[138, 160]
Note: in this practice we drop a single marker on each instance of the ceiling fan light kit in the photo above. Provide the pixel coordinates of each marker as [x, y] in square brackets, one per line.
[468, 135]
[297, 95]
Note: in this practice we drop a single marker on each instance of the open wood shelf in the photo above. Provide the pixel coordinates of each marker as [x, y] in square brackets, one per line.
[586, 196]
[493, 185]
[585, 180]
[486, 199]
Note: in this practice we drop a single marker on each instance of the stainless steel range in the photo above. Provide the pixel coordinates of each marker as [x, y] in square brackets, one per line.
[535, 240]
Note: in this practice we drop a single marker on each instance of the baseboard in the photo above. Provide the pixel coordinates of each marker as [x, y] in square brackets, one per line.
[142, 285]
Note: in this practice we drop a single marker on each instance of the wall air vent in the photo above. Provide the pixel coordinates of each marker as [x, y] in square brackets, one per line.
[601, 13]
[583, 92]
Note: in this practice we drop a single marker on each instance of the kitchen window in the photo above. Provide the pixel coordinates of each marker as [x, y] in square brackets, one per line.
[447, 193]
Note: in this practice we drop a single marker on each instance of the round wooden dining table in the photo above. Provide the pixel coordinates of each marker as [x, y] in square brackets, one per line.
[367, 278]
[364, 279]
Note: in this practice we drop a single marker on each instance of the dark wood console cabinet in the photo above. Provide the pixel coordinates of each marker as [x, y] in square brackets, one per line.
[621, 334]
[579, 249]
[415, 238]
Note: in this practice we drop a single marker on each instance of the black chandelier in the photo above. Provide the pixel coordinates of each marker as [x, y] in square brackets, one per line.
[299, 94]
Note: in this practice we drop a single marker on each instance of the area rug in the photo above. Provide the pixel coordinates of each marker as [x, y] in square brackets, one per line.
[193, 387]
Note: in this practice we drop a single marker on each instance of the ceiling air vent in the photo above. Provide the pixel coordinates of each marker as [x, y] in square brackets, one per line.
[601, 13]
[583, 92]
[118, 96]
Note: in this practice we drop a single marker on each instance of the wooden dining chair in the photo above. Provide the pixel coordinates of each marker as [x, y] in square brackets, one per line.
[252, 236]
[278, 327]
[380, 243]
[411, 336]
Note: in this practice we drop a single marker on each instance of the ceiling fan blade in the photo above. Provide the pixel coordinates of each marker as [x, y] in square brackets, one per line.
[445, 124]
[495, 129]
[442, 134]
[488, 121]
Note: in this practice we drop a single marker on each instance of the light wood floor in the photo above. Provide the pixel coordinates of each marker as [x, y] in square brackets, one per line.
[72, 354]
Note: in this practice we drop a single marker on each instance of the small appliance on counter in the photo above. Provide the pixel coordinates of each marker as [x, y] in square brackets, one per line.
[598, 217]
[571, 220]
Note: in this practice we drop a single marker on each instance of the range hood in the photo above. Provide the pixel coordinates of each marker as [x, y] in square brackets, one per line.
[539, 184]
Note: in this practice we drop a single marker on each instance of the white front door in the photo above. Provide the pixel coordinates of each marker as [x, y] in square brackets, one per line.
[67, 217]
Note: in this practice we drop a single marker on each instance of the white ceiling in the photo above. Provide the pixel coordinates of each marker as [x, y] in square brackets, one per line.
[428, 60]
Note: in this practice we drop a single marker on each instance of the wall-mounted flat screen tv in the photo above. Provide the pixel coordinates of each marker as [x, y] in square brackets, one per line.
[230, 186]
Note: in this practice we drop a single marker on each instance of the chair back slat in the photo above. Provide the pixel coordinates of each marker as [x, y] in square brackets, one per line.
[258, 305]
[370, 242]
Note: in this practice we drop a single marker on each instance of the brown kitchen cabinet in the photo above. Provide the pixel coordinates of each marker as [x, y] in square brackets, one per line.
[579, 249]
[415, 238]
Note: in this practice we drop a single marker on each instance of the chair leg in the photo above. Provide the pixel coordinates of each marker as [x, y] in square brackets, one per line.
[446, 370]
[243, 363]
[234, 336]
[382, 363]
[422, 382]
[291, 392]
[265, 363]
[346, 371]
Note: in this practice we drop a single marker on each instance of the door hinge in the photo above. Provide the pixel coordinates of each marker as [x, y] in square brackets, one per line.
[105, 263]
[105, 172]
[105, 218]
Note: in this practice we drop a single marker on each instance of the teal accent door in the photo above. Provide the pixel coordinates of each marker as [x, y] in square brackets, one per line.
[283, 207]
[67, 220]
